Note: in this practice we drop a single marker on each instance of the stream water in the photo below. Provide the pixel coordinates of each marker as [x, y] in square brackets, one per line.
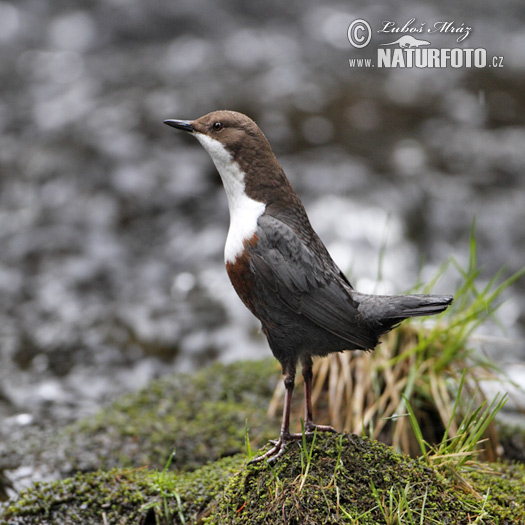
[112, 225]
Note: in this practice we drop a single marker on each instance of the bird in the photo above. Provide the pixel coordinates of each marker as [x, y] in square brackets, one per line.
[282, 271]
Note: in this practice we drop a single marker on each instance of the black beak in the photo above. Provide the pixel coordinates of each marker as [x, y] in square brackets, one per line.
[185, 125]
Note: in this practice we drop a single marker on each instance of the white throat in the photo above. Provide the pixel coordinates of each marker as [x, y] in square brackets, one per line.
[244, 211]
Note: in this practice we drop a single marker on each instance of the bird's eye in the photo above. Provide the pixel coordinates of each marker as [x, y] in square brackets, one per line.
[217, 126]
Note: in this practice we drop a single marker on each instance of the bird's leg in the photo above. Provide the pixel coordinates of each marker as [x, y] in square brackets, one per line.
[309, 425]
[280, 445]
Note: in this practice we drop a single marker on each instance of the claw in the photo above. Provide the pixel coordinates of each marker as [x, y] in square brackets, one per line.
[280, 444]
[272, 454]
[310, 428]
[278, 449]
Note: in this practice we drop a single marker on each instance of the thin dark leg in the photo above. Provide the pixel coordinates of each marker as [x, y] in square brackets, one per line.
[280, 445]
[289, 383]
[307, 376]
[309, 425]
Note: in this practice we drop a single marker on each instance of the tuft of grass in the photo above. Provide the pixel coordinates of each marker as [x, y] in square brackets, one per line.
[276, 488]
[398, 505]
[247, 445]
[420, 364]
[165, 485]
[306, 455]
[455, 455]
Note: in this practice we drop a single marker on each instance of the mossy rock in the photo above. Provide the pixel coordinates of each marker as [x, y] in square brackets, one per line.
[137, 497]
[355, 480]
[504, 485]
[201, 416]
[347, 479]
[333, 479]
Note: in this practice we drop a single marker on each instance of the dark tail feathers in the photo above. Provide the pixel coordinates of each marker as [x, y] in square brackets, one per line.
[391, 310]
[417, 305]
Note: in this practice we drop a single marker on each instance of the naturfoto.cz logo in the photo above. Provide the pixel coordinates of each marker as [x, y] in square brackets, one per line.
[407, 51]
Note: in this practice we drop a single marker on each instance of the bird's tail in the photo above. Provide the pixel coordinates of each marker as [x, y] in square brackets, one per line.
[418, 305]
[391, 310]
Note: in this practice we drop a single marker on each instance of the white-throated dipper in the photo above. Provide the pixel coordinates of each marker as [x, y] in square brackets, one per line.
[282, 271]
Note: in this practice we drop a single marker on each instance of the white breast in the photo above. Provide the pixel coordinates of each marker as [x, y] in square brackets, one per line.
[244, 211]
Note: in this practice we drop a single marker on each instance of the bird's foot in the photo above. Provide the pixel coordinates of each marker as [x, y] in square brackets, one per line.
[278, 449]
[279, 445]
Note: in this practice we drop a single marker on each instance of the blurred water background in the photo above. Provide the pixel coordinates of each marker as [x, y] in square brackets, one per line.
[112, 225]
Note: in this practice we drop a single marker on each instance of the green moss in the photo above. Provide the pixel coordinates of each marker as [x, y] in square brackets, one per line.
[198, 490]
[202, 416]
[503, 485]
[85, 498]
[122, 496]
[349, 480]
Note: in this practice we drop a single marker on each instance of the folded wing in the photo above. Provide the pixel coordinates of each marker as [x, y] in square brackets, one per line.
[309, 285]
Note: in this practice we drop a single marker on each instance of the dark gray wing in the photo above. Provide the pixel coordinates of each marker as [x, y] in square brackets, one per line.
[308, 284]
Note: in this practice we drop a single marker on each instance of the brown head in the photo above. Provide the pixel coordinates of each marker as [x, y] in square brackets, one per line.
[242, 155]
[238, 133]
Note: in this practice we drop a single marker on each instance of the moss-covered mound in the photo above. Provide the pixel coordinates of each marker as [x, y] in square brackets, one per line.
[333, 479]
[329, 479]
[137, 497]
[504, 485]
[349, 479]
[201, 416]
